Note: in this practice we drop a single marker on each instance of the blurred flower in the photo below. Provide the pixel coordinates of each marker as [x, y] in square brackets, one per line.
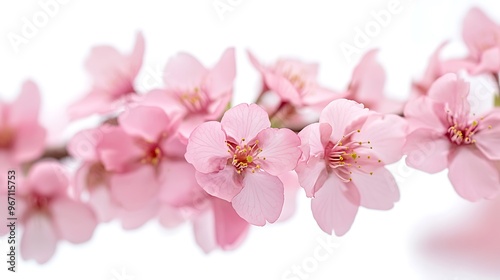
[445, 134]
[113, 75]
[142, 152]
[239, 159]
[49, 214]
[192, 92]
[343, 161]
[22, 138]
[295, 84]
[93, 180]
[367, 86]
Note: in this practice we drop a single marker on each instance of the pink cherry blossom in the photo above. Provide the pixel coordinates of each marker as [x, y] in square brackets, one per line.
[141, 152]
[367, 86]
[22, 138]
[113, 75]
[92, 179]
[299, 93]
[343, 160]
[446, 134]
[194, 93]
[215, 222]
[239, 159]
[48, 214]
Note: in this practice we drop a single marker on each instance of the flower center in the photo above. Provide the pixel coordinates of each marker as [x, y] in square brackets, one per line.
[244, 156]
[153, 155]
[194, 101]
[346, 154]
[39, 202]
[6, 137]
[460, 131]
[296, 80]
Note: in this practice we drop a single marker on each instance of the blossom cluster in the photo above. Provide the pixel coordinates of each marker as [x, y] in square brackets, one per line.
[182, 153]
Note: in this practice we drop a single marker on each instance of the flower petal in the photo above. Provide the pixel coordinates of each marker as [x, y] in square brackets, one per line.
[48, 178]
[386, 136]
[478, 31]
[339, 114]
[261, 198]
[184, 72]
[117, 150]
[377, 191]
[135, 189]
[312, 175]
[280, 149]
[488, 137]
[245, 121]
[39, 239]
[427, 150]
[220, 79]
[204, 231]
[27, 105]
[314, 138]
[453, 91]
[29, 142]
[230, 228]
[473, 176]
[145, 122]
[207, 149]
[224, 184]
[335, 206]
[73, 220]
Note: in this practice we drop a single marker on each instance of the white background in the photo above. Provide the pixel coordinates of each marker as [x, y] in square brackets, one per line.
[380, 245]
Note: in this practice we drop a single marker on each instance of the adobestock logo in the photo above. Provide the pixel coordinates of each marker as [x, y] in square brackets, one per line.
[222, 7]
[31, 26]
[363, 36]
[323, 251]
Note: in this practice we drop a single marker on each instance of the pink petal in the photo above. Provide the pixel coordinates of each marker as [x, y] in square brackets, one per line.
[102, 204]
[178, 180]
[291, 184]
[283, 87]
[421, 112]
[339, 114]
[335, 206]
[184, 72]
[478, 31]
[135, 189]
[97, 101]
[314, 138]
[27, 105]
[452, 91]
[427, 150]
[29, 142]
[73, 220]
[230, 229]
[377, 191]
[245, 122]
[170, 217]
[48, 178]
[318, 97]
[261, 198]
[224, 184]
[220, 79]
[312, 175]
[207, 149]
[368, 80]
[386, 134]
[39, 239]
[280, 148]
[488, 137]
[490, 62]
[146, 122]
[473, 176]
[137, 55]
[204, 231]
[133, 219]
[117, 150]
[83, 144]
